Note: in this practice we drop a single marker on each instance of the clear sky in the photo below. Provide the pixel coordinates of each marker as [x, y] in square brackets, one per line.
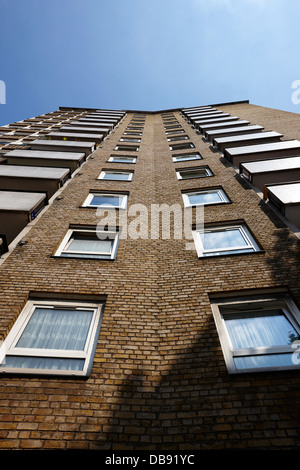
[146, 54]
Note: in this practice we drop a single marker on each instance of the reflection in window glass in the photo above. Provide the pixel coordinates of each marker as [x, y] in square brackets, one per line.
[116, 175]
[225, 241]
[187, 157]
[89, 245]
[270, 328]
[211, 196]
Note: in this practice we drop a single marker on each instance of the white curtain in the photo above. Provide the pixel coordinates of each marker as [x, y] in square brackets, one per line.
[52, 363]
[53, 329]
[266, 329]
[90, 245]
[266, 360]
[50, 328]
[270, 328]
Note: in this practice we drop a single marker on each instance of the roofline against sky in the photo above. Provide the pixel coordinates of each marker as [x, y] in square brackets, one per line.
[66, 108]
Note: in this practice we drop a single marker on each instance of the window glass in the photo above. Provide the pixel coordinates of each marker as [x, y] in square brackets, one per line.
[111, 200]
[211, 196]
[183, 158]
[191, 173]
[122, 159]
[178, 137]
[54, 338]
[129, 139]
[196, 173]
[49, 363]
[50, 328]
[224, 240]
[208, 197]
[265, 360]
[258, 334]
[182, 146]
[270, 328]
[127, 148]
[89, 245]
[115, 175]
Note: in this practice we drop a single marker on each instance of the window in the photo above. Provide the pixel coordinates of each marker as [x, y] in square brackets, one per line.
[129, 139]
[178, 131]
[3, 245]
[257, 333]
[178, 137]
[187, 173]
[171, 122]
[173, 126]
[116, 175]
[187, 145]
[127, 148]
[106, 200]
[52, 338]
[121, 159]
[137, 121]
[186, 157]
[224, 240]
[133, 133]
[204, 197]
[88, 242]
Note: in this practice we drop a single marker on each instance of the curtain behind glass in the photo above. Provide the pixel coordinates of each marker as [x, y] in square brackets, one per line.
[269, 329]
[90, 245]
[56, 329]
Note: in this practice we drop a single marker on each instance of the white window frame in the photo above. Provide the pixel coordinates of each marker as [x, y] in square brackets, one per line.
[71, 235]
[116, 159]
[243, 229]
[187, 157]
[127, 172]
[205, 168]
[221, 193]
[92, 194]
[9, 345]
[267, 302]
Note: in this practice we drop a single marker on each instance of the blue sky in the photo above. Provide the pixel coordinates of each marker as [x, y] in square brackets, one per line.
[147, 54]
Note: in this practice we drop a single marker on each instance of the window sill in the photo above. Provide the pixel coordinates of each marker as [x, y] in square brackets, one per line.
[259, 252]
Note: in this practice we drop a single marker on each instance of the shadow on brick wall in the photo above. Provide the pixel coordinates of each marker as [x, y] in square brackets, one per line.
[197, 406]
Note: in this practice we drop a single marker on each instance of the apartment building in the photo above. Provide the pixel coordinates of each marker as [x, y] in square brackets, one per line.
[150, 276]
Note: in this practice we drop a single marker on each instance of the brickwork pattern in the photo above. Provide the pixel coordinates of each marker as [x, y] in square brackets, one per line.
[159, 379]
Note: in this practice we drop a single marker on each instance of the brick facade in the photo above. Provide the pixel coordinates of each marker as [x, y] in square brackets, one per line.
[159, 380]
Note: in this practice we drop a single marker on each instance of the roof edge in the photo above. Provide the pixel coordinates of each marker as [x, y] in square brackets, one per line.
[67, 108]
